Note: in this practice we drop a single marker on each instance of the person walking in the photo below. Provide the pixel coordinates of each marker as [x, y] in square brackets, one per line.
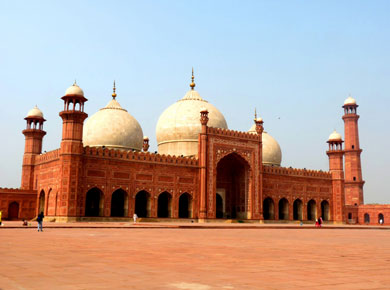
[40, 221]
[135, 217]
[320, 222]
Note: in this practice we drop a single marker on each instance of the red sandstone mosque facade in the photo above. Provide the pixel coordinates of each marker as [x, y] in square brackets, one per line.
[202, 171]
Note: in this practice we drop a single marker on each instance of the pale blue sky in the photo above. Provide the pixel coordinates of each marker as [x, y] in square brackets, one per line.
[293, 60]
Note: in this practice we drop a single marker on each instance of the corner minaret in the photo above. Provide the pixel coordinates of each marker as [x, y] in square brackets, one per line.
[33, 145]
[336, 168]
[71, 150]
[353, 168]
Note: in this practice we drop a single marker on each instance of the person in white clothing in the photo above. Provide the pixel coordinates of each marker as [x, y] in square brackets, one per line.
[135, 217]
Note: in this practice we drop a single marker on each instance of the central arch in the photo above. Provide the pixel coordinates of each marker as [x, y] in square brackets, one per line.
[297, 210]
[233, 179]
[185, 206]
[119, 203]
[142, 204]
[94, 202]
[268, 209]
[164, 208]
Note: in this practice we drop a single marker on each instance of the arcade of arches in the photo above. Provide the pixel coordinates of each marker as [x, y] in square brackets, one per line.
[285, 209]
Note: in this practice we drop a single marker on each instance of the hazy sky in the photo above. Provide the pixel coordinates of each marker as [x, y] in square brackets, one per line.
[295, 61]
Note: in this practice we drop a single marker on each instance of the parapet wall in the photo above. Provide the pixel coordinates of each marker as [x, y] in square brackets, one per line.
[297, 172]
[140, 156]
[233, 133]
[48, 156]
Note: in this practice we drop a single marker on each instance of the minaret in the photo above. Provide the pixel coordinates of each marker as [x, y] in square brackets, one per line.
[336, 168]
[258, 174]
[33, 145]
[71, 150]
[353, 168]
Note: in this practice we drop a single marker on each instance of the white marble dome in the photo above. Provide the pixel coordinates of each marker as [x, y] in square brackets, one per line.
[35, 112]
[179, 125]
[350, 101]
[74, 90]
[335, 136]
[272, 154]
[113, 127]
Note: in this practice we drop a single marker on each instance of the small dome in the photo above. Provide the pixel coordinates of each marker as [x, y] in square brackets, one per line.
[179, 125]
[335, 136]
[113, 127]
[272, 154]
[74, 90]
[350, 101]
[35, 112]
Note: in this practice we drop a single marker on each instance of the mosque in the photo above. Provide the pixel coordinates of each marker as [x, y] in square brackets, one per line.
[203, 171]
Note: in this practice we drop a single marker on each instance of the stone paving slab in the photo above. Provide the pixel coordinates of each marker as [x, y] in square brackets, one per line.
[197, 258]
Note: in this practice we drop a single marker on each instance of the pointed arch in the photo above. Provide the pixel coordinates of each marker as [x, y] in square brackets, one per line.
[119, 203]
[94, 202]
[164, 205]
[185, 205]
[283, 209]
[41, 202]
[325, 211]
[312, 210]
[298, 210]
[233, 178]
[142, 204]
[268, 209]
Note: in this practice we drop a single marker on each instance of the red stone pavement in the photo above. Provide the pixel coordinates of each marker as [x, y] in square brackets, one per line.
[159, 257]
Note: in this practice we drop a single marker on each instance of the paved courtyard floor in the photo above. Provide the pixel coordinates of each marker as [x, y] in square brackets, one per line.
[195, 258]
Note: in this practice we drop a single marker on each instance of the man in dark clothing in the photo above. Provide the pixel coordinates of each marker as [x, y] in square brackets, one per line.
[40, 221]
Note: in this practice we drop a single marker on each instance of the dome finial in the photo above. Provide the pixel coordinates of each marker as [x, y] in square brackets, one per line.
[192, 85]
[75, 83]
[113, 91]
[255, 114]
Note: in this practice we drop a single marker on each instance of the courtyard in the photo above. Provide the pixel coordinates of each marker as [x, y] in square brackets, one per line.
[159, 256]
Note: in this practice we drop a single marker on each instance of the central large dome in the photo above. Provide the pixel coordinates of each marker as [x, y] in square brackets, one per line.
[179, 125]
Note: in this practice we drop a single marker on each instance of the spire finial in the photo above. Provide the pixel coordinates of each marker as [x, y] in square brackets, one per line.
[192, 85]
[113, 91]
[255, 114]
[75, 83]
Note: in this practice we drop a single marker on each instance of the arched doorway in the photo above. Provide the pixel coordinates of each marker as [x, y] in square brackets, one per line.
[94, 202]
[13, 211]
[219, 206]
[119, 203]
[283, 209]
[164, 205]
[297, 210]
[233, 179]
[142, 204]
[311, 210]
[41, 205]
[268, 209]
[325, 210]
[381, 217]
[366, 218]
[185, 206]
